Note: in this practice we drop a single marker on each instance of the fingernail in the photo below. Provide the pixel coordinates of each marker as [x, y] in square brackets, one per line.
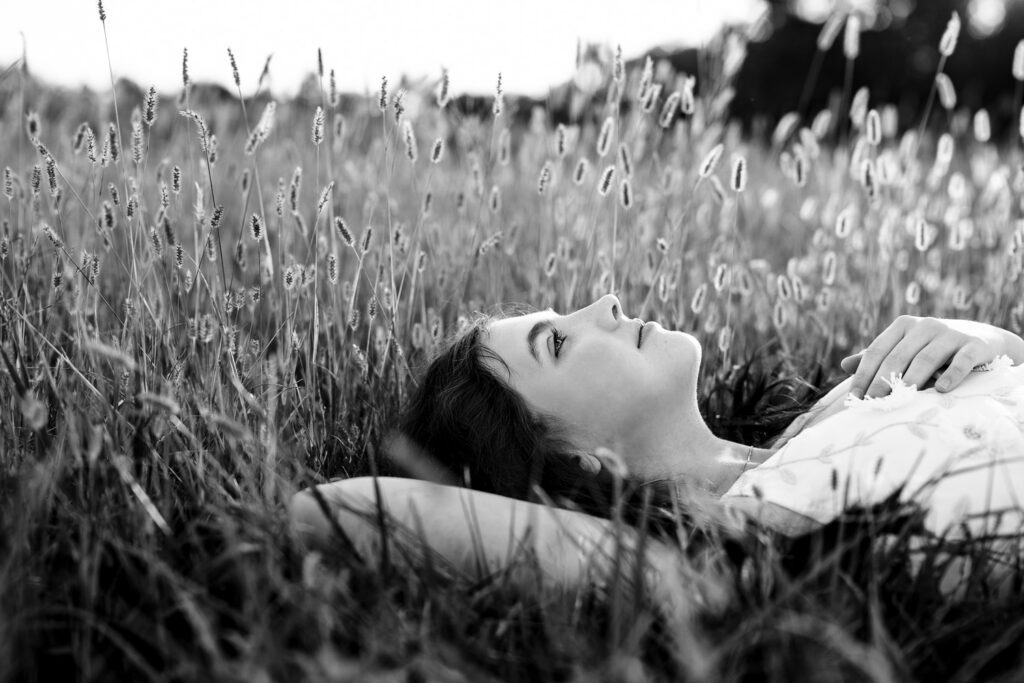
[942, 385]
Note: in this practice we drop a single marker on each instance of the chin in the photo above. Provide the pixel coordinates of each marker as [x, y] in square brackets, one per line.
[688, 344]
[686, 352]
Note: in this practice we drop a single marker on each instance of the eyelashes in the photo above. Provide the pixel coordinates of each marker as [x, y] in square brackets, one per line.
[557, 339]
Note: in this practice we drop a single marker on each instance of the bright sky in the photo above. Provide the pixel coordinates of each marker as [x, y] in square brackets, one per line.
[532, 42]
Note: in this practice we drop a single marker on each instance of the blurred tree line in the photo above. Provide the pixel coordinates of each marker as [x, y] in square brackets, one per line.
[897, 61]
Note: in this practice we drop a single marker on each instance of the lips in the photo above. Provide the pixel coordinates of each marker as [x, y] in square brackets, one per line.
[640, 335]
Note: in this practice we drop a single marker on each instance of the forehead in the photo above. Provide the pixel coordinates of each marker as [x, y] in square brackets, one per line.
[508, 338]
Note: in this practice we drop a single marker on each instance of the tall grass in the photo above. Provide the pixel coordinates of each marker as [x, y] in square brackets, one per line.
[172, 376]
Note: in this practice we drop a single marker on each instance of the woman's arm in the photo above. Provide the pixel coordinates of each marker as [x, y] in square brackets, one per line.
[477, 533]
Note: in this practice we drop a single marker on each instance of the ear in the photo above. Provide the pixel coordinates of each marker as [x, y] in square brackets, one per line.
[588, 463]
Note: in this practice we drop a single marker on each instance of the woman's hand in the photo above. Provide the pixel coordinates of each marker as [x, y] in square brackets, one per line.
[924, 349]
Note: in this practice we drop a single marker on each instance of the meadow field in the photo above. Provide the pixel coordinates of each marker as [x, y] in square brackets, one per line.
[209, 304]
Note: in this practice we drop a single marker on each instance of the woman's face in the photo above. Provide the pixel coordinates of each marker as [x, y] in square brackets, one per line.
[595, 372]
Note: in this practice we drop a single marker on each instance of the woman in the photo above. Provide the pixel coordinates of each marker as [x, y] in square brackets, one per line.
[545, 407]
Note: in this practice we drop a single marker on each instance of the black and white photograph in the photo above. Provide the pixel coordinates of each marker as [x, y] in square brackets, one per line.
[454, 342]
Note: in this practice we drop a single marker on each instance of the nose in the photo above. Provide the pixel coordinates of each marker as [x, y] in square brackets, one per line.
[606, 312]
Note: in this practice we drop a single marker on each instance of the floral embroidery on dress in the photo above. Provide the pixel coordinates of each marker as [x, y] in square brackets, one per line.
[969, 462]
[901, 394]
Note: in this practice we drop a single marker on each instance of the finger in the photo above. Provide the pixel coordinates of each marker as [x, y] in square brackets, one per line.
[963, 362]
[896, 362]
[929, 359]
[850, 363]
[873, 356]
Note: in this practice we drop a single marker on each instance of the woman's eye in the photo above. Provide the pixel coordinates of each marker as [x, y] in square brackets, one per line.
[558, 339]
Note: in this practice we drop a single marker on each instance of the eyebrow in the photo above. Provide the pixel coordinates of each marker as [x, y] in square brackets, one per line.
[535, 331]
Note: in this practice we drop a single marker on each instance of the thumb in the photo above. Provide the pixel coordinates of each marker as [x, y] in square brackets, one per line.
[851, 363]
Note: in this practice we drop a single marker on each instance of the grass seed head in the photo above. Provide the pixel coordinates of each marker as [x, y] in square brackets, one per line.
[721, 275]
[873, 128]
[947, 93]
[398, 105]
[650, 100]
[32, 126]
[103, 13]
[828, 268]
[698, 299]
[150, 107]
[342, 228]
[605, 183]
[544, 178]
[945, 149]
[156, 242]
[851, 38]
[822, 123]
[234, 69]
[90, 145]
[830, 30]
[256, 227]
[646, 77]
[1018, 62]
[739, 174]
[604, 138]
[409, 135]
[499, 98]
[382, 100]
[669, 110]
[364, 246]
[504, 147]
[947, 44]
[550, 264]
[443, 96]
[169, 234]
[580, 172]
[437, 151]
[295, 188]
[710, 162]
[626, 194]
[108, 216]
[912, 295]
[625, 160]
[325, 197]
[318, 126]
[51, 175]
[982, 126]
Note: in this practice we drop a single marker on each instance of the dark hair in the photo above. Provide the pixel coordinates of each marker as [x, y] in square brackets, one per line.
[481, 432]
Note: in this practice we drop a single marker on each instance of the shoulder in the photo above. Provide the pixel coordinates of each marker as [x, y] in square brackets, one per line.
[826, 406]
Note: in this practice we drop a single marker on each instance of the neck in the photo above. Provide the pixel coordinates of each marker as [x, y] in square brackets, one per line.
[688, 452]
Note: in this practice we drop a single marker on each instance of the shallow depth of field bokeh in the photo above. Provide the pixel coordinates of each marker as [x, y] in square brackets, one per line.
[209, 303]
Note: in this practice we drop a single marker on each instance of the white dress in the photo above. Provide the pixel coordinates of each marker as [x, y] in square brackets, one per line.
[959, 455]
